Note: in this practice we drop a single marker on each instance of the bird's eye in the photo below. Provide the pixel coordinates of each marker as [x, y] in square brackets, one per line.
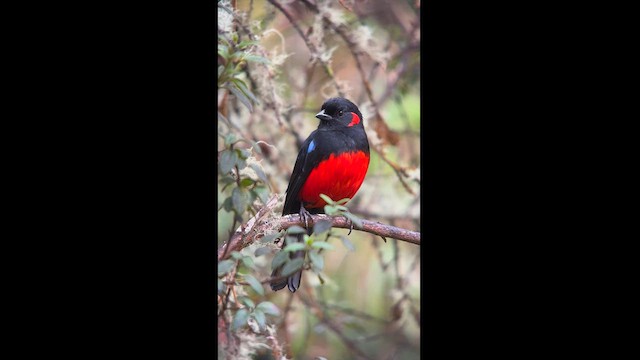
[340, 113]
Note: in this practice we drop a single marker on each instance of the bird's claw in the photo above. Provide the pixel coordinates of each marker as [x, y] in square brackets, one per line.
[305, 217]
[350, 225]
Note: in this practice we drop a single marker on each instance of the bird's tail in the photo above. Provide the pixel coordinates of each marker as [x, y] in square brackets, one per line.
[293, 280]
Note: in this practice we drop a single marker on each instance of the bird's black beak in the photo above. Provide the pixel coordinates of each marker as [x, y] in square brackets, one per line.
[322, 116]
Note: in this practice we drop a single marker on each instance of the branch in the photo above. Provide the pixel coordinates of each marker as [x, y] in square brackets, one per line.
[258, 225]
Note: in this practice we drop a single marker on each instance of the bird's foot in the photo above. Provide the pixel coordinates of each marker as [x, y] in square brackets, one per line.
[305, 217]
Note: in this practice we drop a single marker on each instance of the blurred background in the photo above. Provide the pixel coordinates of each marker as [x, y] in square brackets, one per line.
[278, 61]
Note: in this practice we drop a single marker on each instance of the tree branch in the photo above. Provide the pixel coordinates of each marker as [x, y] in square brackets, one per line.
[258, 225]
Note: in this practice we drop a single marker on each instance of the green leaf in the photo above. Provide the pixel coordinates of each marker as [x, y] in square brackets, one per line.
[280, 258]
[246, 182]
[223, 51]
[255, 284]
[225, 266]
[246, 43]
[291, 239]
[331, 210]
[245, 89]
[317, 260]
[230, 139]
[354, 219]
[342, 201]
[347, 243]
[242, 97]
[240, 319]
[248, 262]
[256, 58]
[220, 287]
[236, 255]
[262, 193]
[241, 163]
[268, 308]
[243, 153]
[257, 148]
[327, 199]
[220, 70]
[295, 229]
[227, 205]
[261, 251]
[322, 226]
[270, 237]
[259, 172]
[248, 302]
[292, 266]
[294, 247]
[322, 245]
[240, 200]
[260, 318]
[228, 160]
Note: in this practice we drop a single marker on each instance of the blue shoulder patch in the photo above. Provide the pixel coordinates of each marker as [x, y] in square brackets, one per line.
[312, 145]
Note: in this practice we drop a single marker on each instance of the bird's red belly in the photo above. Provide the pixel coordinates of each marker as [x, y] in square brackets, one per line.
[338, 177]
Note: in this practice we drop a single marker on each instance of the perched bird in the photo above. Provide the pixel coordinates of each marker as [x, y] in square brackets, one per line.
[332, 161]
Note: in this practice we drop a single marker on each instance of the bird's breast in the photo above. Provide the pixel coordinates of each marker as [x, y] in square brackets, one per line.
[339, 176]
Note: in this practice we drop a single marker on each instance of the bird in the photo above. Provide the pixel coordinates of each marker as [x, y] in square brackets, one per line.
[333, 160]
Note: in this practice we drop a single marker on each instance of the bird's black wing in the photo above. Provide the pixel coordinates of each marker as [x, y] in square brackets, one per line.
[305, 162]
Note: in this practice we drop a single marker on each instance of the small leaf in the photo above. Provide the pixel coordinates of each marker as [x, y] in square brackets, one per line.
[248, 302]
[230, 139]
[228, 160]
[227, 205]
[246, 43]
[243, 153]
[248, 262]
[321, 226]
[256, 58]
[220, 287]
[322, 245]
[240, 319]
[261, 251]
[256, 148]
[255, 284]
[243, 98]
[260, 318]
[294, 247]
[259, 172]
[270, 237]
[331, 210]
[268, 308]
[245, 90]
[246, 182]
[295, 229]
[354, 219]
[225, 266]
[236, 255]
[317, 260]
[327, 199]
[280, 258]
[347, 243]
[262, 192]
[241, 163]
[291, 239]
[292, 266]
[342, 201]
[240, 200]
